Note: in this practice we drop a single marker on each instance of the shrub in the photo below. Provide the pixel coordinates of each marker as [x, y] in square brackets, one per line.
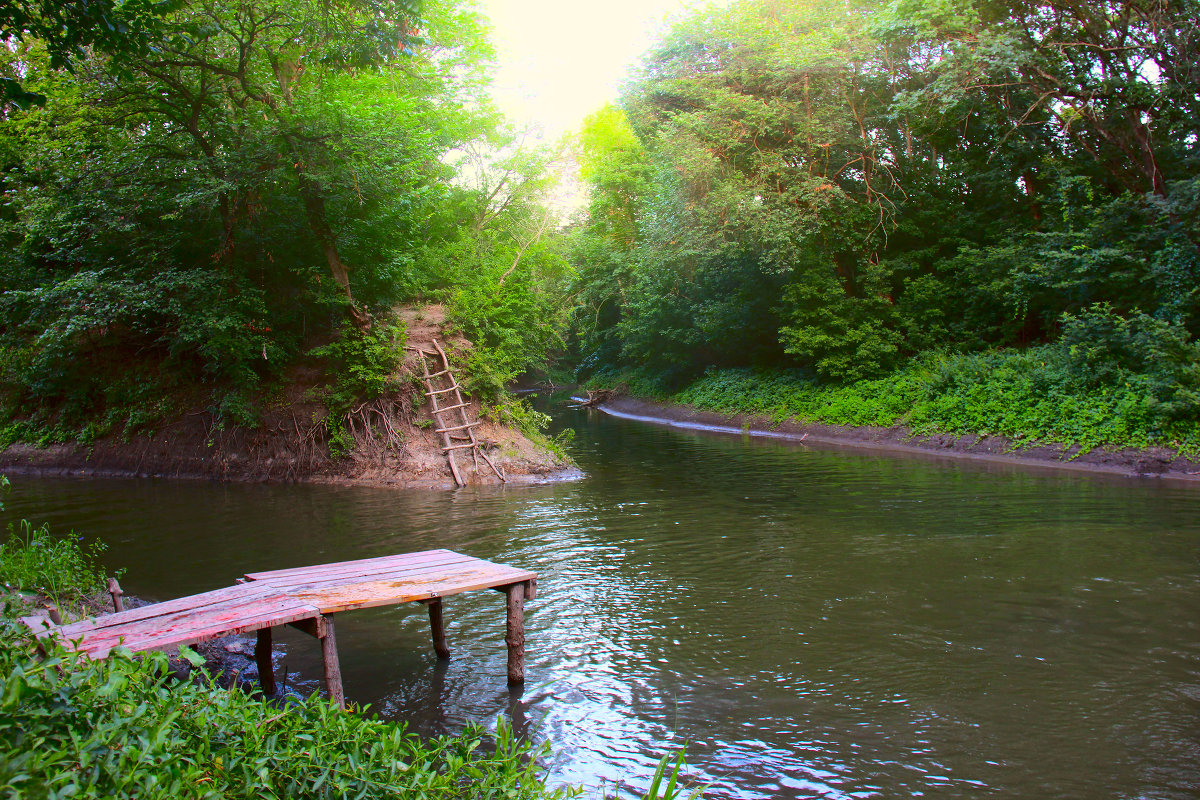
[121, 728]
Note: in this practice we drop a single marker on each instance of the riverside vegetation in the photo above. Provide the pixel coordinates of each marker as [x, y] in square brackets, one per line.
[977, 216]
[971, 217]
[127, 727]
[194, 207]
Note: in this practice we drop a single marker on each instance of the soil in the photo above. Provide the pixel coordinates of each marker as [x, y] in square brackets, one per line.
[1136, 462]
[395, 442]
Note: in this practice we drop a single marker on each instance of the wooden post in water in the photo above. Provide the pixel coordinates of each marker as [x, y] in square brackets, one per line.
[114, 591]
[333, 670]
[438, 628]
[515, 638]
[262, 657]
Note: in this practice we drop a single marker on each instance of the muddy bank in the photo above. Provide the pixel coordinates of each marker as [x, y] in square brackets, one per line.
[394, 437]
[1142, 463]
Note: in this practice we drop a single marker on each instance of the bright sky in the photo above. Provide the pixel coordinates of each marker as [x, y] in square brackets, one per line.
[560, 60]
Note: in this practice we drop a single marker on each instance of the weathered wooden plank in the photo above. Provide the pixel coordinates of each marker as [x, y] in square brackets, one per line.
[332, 598]
[362, 562]
[193, 602]
[413, 575]
[336, 570]
[314, 627]
[205, 630]
[458, 427]
[442, 391]
[266, 610]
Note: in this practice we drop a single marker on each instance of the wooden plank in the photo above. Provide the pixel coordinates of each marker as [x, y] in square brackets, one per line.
[362, 562]
[459, 447]
[441, 391]
[144, 635]
[314, 627]
[459, 427]
[453, 407]
[204, 630]
[193, 602]
[413, 575]
[308, 576]
[177, 620]
[329, 598]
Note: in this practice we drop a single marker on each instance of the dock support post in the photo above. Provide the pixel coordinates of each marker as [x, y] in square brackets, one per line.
[515, 638]
[438, 628]
[114, 591]
[333, 670]
[262, 657]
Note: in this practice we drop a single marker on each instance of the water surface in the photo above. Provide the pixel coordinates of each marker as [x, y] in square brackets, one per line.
[809, 622]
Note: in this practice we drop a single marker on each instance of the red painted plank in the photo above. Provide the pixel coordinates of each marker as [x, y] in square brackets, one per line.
[191, 602]
[363, 562]
[364, 572]
[332, 598]
[192, 635]
[175, 620]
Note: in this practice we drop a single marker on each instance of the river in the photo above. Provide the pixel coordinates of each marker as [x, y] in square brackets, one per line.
[808, 622]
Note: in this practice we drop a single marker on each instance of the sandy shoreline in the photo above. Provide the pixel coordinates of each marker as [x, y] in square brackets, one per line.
[1130, 462]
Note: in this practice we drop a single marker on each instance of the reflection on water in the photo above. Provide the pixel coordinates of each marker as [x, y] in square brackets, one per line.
[810, 623]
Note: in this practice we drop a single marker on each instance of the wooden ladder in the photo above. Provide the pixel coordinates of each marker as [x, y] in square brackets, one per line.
[453, 422]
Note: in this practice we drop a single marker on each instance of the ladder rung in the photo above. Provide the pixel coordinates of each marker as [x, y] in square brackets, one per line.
[438, 374]
[451, 408]
[441, 391]
[459, 427]
[458, 447]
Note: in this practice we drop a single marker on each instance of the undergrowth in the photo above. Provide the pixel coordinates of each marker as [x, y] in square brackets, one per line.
[361, 366]
[33, 560]
[124, 728]
[1038, 395]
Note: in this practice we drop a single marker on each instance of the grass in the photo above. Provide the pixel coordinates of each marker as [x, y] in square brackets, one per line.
[1027, 397]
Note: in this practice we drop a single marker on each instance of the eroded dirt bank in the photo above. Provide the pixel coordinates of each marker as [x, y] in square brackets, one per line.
[395, 441]
[1143, 463]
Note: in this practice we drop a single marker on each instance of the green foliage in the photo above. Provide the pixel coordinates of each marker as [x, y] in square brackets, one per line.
[362, 364]
[190, 216]
[1045, 395]
[34, 560]
[122, 728]
[836, 189]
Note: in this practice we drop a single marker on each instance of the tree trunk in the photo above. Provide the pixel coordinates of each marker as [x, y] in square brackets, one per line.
[318, 223]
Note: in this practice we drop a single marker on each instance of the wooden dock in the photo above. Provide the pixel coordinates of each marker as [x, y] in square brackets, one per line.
[307, 598]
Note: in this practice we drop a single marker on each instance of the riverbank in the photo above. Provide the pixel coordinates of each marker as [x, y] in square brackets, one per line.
[1152, 462]
[391, 440]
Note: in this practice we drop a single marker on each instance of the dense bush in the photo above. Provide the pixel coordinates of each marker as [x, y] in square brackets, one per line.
[125, 728]
[1042, 395]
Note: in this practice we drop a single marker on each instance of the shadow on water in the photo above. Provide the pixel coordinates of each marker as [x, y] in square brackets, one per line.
[810, 622]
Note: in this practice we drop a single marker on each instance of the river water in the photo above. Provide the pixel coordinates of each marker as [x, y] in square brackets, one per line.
[808, 622]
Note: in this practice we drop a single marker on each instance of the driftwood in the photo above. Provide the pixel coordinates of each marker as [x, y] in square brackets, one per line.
[595, 398]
